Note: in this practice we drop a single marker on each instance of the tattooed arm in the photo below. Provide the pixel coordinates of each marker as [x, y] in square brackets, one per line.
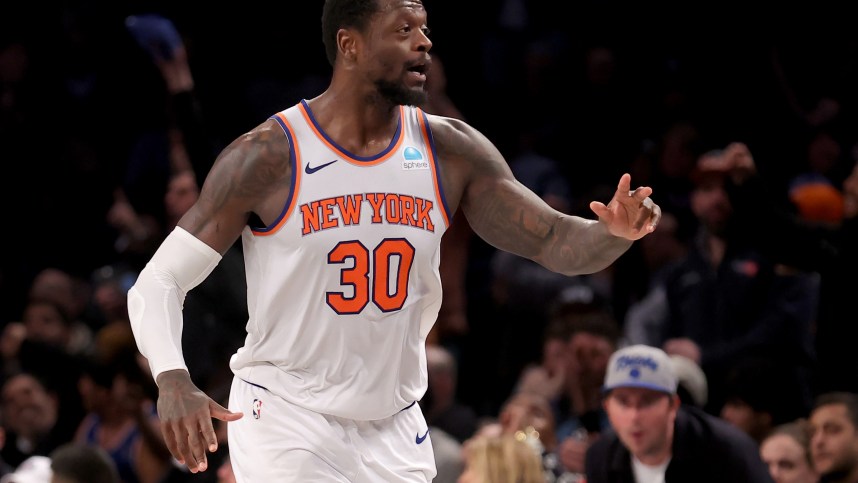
[252, 175]
[510, 217]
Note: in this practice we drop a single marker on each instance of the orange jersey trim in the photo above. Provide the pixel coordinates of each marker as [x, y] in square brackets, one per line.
[436, 180]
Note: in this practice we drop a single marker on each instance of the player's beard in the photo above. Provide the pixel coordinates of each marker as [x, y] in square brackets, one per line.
[397, 94]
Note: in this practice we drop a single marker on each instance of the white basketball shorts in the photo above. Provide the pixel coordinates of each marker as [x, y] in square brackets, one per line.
[277, 441]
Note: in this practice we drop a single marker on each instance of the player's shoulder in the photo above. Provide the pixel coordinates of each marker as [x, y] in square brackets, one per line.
[266, 141]
[458, 138]
[260, 154]
[268, 133]
[449, 127]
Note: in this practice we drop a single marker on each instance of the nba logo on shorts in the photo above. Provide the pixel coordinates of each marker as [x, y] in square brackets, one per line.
[257, 408]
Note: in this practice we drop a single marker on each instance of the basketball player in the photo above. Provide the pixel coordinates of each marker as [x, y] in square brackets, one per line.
[341, 202]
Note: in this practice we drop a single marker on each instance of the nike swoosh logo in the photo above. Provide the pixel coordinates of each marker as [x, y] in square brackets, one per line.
[309, 170]
[421, 439]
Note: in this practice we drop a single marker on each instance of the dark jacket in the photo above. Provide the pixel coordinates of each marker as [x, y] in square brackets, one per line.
[832, 252]
[705, 449]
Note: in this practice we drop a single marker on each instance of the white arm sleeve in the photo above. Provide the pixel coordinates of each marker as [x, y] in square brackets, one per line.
[155, 301]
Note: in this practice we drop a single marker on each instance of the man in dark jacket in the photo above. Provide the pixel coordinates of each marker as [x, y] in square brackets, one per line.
[656, 439]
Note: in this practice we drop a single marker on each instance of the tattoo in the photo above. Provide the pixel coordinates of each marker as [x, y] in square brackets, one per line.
[507, 215]
[503, 220]
[266, 151]
[251, 175]
[249, 170]
[516, 220]
[579, 246]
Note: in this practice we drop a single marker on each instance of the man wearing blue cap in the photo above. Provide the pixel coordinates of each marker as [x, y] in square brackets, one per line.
[655, 439]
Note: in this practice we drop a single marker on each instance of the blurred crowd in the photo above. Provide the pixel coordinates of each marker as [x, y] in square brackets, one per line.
[111, 115]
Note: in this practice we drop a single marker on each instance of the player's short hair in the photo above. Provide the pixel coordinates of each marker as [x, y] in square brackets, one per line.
[338, 14]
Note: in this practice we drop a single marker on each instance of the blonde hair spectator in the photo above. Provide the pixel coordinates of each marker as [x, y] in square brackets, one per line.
[501, 459]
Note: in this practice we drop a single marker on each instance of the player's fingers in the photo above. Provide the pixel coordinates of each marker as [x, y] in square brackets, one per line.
[625, 183]
[734, 149]
[651, 216]
[197, 445]
[222, 413]
[644, 214]
[207, 433]
[185, 455]
[210, 438]
[171, 441]
[599, 209]
[641, 193]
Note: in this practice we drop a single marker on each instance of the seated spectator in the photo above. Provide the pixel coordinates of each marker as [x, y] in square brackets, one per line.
[72, 294]
[121, 419]
[32, 420]
[529, 416]
[786, 450]
[758, 397]
[77, 463]
[576, 348]
[501, 459]
[655, 438]
[827, 250]
[440, 405]
[834, 437]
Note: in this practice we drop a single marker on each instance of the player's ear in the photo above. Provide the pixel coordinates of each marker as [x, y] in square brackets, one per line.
[347, 45]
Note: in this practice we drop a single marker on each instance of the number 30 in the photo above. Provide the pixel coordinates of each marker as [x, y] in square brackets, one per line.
[358, 276]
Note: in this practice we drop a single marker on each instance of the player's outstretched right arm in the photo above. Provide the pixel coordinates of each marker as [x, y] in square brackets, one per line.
[250, 176]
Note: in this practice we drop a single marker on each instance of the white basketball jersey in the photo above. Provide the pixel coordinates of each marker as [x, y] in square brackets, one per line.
[344, 287]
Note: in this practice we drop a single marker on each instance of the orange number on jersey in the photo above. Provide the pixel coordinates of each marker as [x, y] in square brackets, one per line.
[357, 277]
[391, 254]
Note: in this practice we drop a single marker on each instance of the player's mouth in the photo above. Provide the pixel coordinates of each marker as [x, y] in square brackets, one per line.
[417, 71]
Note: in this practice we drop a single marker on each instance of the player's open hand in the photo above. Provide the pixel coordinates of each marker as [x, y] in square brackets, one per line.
[629, 214]
[186, 419]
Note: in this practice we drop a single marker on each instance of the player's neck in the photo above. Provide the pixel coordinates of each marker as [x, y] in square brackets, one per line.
[360, 127]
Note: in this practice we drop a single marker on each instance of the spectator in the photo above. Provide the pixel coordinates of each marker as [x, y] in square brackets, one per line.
[814, 247]
[594, 338]
[576, 347]
[834, 437]
[655, 438]
[727, 301]
[786, 450]
[529, 416]
[121, 419]
[755, 397]
[77, 463]
[442, 408]
[31, 417]
[501, 459]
